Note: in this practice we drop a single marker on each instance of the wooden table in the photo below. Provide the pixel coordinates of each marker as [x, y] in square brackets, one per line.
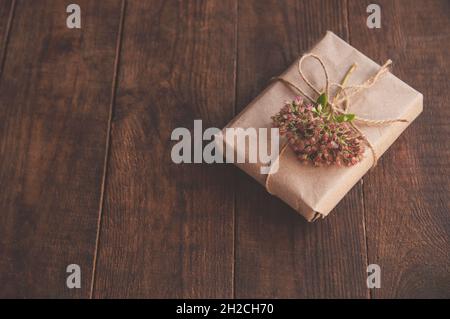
[86, 177]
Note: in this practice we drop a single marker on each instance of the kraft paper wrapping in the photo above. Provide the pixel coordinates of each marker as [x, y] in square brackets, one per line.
[315, 191]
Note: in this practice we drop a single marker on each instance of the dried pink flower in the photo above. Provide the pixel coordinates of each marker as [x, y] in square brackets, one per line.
[317, 135]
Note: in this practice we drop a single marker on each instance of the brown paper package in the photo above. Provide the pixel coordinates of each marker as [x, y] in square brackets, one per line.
[315, 191]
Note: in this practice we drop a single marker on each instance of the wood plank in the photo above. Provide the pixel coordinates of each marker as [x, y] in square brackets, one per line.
[407, 196]
[167, 229]
[6, 17]
[54, 108]
[279, 254]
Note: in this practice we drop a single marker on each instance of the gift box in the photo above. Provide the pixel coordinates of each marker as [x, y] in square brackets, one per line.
[314, 191]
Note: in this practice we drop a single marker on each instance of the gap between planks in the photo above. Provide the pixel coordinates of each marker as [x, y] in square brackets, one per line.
[108, 143]
[6, 36]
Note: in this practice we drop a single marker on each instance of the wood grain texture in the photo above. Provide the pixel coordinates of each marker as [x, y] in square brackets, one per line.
[6, 16]
[279, 254]
[406, 197]
[198, 230]
[5, 11]
[54, 104]
[167, 229]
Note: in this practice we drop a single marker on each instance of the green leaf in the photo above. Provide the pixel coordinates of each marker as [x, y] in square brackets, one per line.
[345, 118]
[340, 118]
[349, 117]
[319, 108]
[322, 100]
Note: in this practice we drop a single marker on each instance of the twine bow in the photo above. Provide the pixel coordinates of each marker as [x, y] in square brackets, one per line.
[341, 100]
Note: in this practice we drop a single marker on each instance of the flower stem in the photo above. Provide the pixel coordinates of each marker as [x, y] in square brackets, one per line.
[344, 80]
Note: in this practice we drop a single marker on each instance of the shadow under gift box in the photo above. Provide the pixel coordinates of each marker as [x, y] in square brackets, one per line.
[315, 191]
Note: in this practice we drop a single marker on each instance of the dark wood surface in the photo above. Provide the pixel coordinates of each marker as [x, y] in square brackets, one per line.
[279, 254]
[406, 198]
[55, 94]
[167, 229]
[6, 16]
[86, 176]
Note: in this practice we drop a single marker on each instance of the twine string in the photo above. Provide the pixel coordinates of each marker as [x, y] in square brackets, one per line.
[341, 101]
